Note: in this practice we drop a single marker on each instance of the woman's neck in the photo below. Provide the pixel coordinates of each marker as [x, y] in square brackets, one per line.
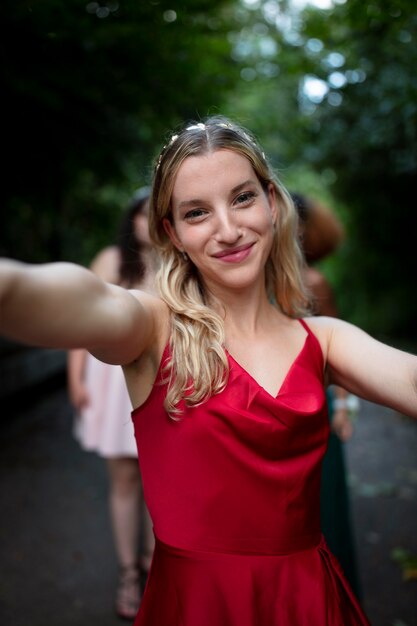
[244, 312]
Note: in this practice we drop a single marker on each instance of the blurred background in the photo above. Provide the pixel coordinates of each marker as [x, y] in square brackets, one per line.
[91, 90]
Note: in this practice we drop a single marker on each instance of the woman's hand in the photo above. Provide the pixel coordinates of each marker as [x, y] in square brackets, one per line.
[342, 425]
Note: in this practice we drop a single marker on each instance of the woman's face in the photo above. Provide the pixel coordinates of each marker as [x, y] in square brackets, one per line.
[222, 218]
[141, 225]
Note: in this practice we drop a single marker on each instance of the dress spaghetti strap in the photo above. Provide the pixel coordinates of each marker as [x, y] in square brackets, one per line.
[306, 326]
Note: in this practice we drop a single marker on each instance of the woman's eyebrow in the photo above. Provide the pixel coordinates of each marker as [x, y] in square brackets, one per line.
[196, 201]
[189, 203]
[241, 186]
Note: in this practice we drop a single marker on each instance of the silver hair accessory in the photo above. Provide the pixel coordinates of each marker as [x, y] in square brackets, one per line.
[202, 126]
[199, 126]
[158, 163]
[170, 142]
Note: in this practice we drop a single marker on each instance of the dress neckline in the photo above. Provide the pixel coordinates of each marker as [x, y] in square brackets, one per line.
[286, 377]
[166, 352]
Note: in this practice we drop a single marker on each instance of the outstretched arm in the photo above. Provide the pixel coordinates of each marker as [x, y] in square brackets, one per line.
[61, 305]
[105, 265]
[368, 368]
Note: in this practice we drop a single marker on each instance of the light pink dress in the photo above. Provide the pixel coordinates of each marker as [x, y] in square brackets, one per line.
[105, 426]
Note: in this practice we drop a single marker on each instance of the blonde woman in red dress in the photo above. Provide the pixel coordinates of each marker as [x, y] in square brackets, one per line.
[226, 371]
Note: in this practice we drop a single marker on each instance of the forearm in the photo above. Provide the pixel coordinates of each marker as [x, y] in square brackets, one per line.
[61, 305]
[47, 304]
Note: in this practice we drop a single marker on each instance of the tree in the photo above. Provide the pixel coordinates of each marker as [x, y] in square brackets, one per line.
[90, 90]
[365, 130]
[340, 101]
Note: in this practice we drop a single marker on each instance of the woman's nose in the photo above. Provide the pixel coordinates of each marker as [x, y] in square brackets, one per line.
[228, 230]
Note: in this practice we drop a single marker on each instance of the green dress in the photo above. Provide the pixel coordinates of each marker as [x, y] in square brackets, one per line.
[335, 506]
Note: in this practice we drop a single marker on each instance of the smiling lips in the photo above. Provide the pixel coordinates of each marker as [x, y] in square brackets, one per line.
[234, 255]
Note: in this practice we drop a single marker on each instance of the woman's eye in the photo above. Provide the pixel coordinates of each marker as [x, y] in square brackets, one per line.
[194, 214]
[246, 197]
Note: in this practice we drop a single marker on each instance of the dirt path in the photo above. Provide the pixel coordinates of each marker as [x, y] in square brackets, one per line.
[382, 465]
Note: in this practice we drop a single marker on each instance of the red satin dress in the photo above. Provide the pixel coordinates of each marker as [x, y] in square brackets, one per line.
[233, 491]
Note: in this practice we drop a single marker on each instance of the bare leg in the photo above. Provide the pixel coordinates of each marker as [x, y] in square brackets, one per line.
[148, 539]
[125, 509]
[125, 505]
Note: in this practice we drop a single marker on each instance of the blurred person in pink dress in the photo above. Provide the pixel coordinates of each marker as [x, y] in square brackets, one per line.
[102, 423]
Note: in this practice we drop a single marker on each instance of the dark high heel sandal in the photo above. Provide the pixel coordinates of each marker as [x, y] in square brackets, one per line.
[128, 595]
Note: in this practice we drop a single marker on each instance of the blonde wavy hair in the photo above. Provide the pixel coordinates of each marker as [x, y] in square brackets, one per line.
[198, 367]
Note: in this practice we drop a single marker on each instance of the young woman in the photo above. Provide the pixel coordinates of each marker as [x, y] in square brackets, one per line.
[227, 380]
[102, 423]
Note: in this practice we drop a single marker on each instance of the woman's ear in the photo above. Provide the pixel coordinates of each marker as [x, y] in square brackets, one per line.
[172, 234]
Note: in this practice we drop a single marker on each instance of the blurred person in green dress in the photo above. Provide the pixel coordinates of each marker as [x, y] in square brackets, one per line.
[321, 234]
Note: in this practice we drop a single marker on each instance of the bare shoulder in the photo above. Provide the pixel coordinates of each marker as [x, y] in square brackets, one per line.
[324, 328]
[140, 373]
[150, 300]
[366, 366]
[338, 337]
[159, 316]
[333, 327]
[136, 323]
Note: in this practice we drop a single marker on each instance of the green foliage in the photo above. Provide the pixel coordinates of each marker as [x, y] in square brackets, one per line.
[353, 146]
[90, 90]
[370, 142]
[407, 562]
